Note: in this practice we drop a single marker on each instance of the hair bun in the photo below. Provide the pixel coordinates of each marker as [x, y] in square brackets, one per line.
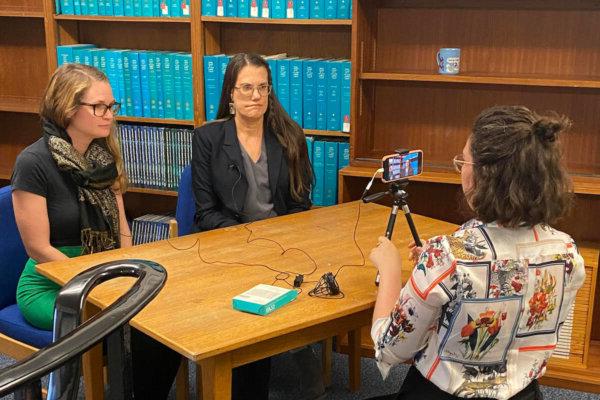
[547, 128]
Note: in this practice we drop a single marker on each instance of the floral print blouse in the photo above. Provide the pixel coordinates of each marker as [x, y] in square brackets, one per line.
[481, 312]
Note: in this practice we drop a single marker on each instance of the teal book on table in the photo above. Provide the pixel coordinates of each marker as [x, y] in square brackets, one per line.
[263, 299]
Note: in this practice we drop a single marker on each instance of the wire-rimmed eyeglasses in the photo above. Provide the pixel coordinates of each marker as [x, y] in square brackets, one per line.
[459, 162]
[247, 90]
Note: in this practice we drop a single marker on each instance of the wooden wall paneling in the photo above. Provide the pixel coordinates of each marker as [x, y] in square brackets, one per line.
[137, 204]
[142, 36]
[67, 32]
[19, 130]
[51, 35]
[25, 6]
[331, 41]
[23, 71]
[197, 50]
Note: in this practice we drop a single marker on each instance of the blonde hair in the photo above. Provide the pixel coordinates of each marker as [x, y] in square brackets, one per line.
[64, 93]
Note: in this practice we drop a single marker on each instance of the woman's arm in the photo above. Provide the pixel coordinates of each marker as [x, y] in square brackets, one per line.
[387, 260]
[31, 215]
[123, 224]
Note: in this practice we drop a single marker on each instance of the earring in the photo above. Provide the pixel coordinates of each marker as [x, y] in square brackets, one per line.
[231, 109]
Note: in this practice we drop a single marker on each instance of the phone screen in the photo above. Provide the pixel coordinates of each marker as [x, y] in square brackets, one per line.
[400, 166]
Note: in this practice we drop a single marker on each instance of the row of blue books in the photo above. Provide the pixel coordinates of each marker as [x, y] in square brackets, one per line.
[327, 158]
[300, 9]
[150, 228]
[154, 157]
[314, 92]
[151, 84]
[129, 8]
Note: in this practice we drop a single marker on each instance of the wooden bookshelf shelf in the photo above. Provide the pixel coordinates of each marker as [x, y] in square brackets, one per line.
[178, 20]
[482, 79]
[162, 121]
[314, 132]
[20, 104]
[159, 192]
[22, 13]
[275, 21]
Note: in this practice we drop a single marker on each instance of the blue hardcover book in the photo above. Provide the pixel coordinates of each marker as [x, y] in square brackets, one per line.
[160, 103]
[184, 6]
[231, 8]
[145, 83]
[103, 60]
[175, 8]
[278, 8]
[164, 8]
[109, 7]
[156, 8]
[296, 90]
[67, 7]
[220, 8]
[343, 10]
[331, 9]
[272, 61]
[211, 86]
[343, 154]
[147, 8]
[283, 83]
[76, 7]
[92, 7]
[64, 53]
[209, 7]
[177, 85]
[152, 88]
[128, 8]
[318, 163]
[82, 55]
[222, 62]
[317, 9]
[309, 95]
[57, 4]
[128, 86]
[255, 8]
[136, 82]
[118, 9]
[137, 8]
[101, 7]
[83, 4]
[187, 84]
[112, 73]
[309, 147]
[120, 74]
[243, 8]
[302, 9]
[321, 94]
[345, 93]
[95, 58]
[334, 80]
[168, 85]
[263, 299]
[331, 174]
[265, 9]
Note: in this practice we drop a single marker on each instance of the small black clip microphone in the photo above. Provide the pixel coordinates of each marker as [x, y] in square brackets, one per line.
[233, 166]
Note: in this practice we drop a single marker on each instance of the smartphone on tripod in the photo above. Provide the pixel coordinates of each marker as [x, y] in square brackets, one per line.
[402, 165]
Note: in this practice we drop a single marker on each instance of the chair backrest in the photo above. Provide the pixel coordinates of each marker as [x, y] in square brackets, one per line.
[12, 253]
[186, 205]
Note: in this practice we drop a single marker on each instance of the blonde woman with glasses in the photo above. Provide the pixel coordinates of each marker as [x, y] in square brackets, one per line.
[67, 197]
[480, 314]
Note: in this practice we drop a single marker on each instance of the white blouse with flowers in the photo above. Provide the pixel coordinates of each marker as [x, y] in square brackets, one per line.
[481, 312]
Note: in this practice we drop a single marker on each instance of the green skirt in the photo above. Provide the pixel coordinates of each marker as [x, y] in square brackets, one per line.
[36, 294]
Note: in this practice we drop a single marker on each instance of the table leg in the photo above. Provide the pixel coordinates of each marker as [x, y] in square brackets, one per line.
[354, 359]
[182, 386]
[92, 363]
[216, 377]
[326, 349]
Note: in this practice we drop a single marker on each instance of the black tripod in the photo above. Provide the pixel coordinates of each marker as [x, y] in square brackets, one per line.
[399, 196]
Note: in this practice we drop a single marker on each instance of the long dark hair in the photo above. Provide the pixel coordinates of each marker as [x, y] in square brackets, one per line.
[518, 174]
[288, 133]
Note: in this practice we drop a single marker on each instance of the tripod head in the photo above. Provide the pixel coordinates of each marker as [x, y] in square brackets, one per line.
[396, 190]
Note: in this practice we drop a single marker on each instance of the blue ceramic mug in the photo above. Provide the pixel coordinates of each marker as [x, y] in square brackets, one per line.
[448, 60]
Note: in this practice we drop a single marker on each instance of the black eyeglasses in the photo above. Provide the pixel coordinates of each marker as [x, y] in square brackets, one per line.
[247, 90]
[100, 109]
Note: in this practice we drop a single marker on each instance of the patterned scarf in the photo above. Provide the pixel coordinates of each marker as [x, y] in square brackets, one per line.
[94, 174]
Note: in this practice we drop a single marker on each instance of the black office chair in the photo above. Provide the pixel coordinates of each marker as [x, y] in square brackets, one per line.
[63, 357]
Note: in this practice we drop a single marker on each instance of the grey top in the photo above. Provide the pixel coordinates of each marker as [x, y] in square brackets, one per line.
[258, 203]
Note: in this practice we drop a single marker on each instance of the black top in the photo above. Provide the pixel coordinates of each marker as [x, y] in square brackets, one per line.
[36, 172]
[219, 177]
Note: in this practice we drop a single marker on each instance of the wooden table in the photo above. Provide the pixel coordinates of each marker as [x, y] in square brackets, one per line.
[193, 313]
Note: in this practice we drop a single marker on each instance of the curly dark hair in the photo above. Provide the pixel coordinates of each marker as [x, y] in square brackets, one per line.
[518, 175]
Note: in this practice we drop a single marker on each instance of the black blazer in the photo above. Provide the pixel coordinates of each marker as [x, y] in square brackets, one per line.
[219, 178]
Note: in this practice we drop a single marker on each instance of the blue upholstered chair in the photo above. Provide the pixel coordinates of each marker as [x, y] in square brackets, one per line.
[186, 206]
[18, 339]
